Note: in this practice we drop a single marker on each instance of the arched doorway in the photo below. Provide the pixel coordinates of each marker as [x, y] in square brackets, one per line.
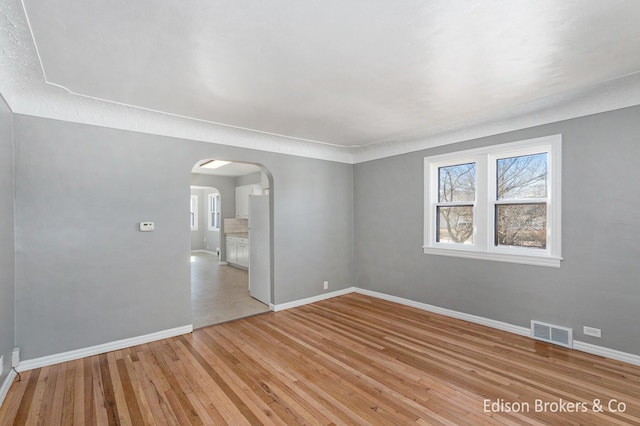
[231, 259]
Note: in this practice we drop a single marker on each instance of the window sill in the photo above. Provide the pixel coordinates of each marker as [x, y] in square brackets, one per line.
[552, 262]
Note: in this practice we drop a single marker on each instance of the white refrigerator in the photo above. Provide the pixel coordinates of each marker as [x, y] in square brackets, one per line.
[259, 248]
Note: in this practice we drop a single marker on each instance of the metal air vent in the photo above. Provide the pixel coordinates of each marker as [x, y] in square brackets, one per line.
[550, 333]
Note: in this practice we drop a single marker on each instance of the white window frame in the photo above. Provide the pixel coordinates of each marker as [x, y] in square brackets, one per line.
[213, 209]
[193, 212]
[483, 246]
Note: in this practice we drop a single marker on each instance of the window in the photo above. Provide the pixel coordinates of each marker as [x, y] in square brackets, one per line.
[213, 213]
[520, 202]
[498, 203]
[456, 198]
[194, 212]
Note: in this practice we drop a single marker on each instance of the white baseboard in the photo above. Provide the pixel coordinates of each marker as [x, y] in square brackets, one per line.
[606, 352]
[301, 302]
[223, 263]
[44, 361]
[523, 331]
[204, 251]
[8, 381]
[120, 344]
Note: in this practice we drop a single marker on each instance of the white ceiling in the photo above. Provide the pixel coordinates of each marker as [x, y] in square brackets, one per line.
[374, 77]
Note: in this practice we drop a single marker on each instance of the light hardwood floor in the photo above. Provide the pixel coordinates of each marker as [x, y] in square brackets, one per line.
[347, 360]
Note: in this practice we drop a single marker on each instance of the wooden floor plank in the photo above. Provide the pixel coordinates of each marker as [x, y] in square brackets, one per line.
[156, 388]
[68, 398]
[348, 360]
[128, 394]
[89, 409]
[227, 388]
[99, 400]
[38, 397]
[274, 372]
[17, 403]
[57, 403]
[219, 407]
[148, 397]
[110, 401]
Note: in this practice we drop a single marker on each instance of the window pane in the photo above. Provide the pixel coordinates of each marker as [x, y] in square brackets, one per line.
[522, 177]
[457, 183]
[455, 225]
[521, 225]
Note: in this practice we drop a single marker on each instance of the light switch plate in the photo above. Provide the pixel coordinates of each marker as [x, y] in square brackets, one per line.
[147, 226]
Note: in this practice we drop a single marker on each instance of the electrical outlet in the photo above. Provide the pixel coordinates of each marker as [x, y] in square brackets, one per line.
[590, 331]
[15, 357]
[147, 226]
[326, 285]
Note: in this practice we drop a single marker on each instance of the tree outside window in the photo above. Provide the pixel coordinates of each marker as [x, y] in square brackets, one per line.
[521, 208]
[498, 202]
[456, 197]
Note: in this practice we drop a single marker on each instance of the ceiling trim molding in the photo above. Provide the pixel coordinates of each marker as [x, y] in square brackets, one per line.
[615, 94]
[85, 110]
[26, 91]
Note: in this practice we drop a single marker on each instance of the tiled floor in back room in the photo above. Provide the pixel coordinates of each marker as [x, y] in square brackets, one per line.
[219, 293]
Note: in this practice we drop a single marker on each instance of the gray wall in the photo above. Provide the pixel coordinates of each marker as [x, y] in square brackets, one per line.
[7, 249]
[597, 284]
[85, 275]
[249, 179]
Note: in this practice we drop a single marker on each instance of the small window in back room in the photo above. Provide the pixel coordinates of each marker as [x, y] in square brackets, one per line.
[194, 212]
[213, 213]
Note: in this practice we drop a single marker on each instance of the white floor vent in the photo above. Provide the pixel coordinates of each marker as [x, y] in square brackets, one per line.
[562, 336]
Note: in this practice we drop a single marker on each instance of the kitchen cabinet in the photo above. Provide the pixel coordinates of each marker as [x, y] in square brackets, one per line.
[243, 253]
[232, 251]
[237, 250]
